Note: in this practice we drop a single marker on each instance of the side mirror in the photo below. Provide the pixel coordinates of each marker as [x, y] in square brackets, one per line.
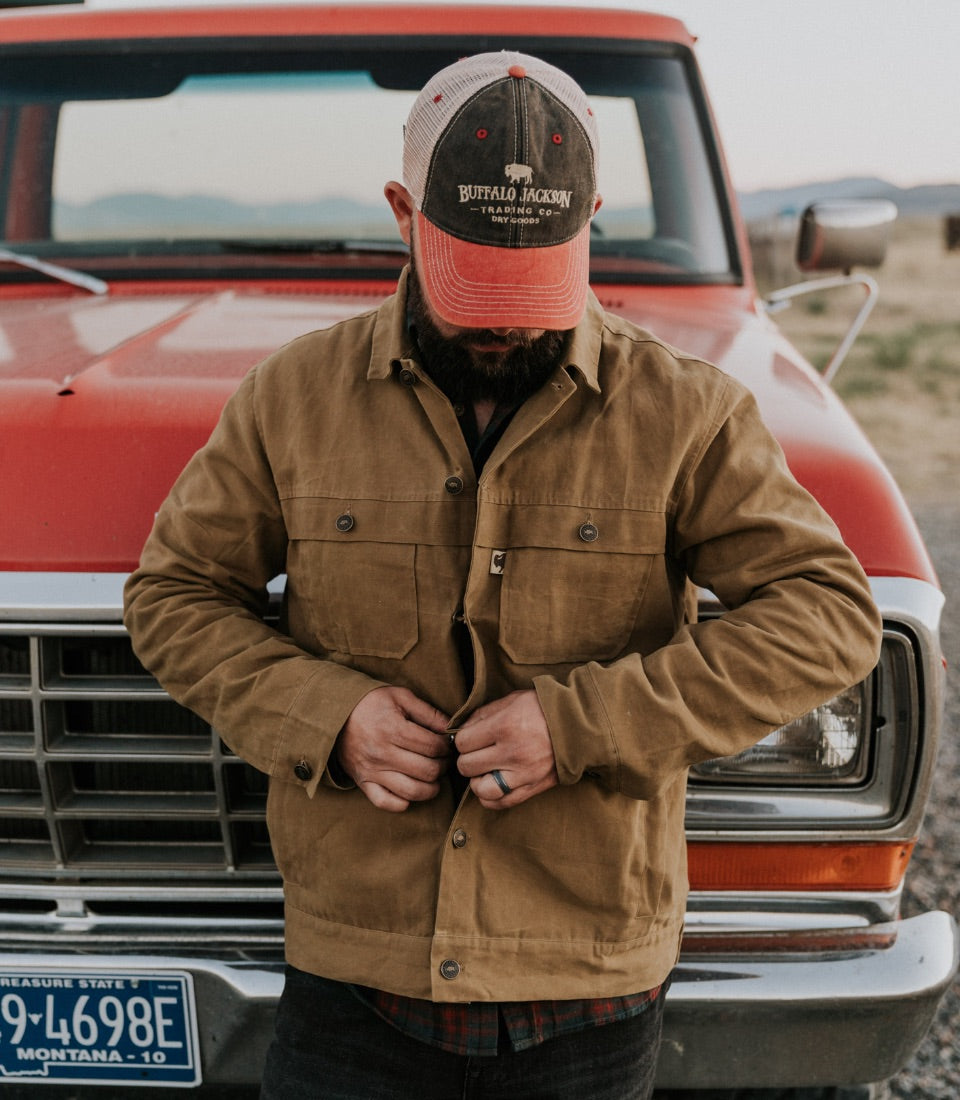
[842, 234]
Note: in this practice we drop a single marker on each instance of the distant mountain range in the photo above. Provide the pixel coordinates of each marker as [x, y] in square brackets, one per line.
[141, 214]
[133, 215]
[931, 200]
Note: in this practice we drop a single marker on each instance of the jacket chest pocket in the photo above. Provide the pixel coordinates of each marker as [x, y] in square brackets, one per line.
[573, 583]
[351, 578]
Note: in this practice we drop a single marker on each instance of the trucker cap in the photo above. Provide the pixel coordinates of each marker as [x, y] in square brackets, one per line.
[500, 157]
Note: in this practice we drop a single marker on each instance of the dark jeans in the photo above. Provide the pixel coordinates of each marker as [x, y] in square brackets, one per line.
[330, 1046]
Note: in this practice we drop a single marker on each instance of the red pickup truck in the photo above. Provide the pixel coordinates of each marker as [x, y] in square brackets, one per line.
[182, 191]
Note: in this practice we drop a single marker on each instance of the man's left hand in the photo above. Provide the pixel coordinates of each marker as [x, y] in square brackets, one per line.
[509, 736]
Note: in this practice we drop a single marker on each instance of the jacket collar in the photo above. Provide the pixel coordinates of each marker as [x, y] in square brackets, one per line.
[583, 350]
[392, 344]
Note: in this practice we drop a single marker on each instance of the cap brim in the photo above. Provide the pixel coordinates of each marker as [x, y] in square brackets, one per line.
[483, 286]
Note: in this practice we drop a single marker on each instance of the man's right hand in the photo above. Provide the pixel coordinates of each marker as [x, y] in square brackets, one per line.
[394, 747]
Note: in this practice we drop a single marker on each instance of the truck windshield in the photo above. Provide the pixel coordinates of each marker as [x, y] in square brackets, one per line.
[198, 155]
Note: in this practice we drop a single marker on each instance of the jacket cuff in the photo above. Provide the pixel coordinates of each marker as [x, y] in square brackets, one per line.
[580, 729]
[312, 724]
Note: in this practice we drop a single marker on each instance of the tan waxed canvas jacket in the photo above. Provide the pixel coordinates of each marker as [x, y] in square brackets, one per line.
[634, 475]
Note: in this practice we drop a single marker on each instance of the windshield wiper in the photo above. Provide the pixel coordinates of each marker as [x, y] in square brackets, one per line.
[55, 271]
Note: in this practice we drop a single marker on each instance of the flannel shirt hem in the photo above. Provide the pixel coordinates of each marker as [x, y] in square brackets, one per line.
[475, 1029]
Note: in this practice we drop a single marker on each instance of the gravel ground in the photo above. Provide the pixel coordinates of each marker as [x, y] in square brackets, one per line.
[934, 878]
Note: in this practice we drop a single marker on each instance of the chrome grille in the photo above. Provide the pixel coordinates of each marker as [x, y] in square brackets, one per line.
[100, 771]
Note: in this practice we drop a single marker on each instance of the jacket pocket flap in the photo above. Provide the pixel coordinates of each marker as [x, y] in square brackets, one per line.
[571, 527]
[446, 522]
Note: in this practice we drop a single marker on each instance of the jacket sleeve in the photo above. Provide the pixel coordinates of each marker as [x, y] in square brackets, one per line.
[800, 626]
[194, 609]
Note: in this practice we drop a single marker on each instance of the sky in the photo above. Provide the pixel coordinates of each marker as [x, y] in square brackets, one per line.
[822, 89]
[810, 90]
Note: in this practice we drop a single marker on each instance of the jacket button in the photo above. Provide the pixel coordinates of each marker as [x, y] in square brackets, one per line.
[453, 485]
[588, 532]
[407, 377]
[450, 969]
[459, 838]
[302, 770]
[345, 522]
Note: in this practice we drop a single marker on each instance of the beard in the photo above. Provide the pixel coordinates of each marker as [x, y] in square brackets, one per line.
[467, 374]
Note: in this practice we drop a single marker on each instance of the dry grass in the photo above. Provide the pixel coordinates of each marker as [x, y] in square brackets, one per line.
[902, 378]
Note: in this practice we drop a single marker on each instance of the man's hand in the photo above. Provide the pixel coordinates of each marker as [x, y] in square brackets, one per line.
[394, 746]
[510, 736]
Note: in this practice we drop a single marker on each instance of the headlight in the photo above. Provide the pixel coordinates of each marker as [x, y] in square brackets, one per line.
[827, 745]
[849, 763]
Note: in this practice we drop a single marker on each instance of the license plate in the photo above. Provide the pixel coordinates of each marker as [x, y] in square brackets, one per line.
[98, 1027]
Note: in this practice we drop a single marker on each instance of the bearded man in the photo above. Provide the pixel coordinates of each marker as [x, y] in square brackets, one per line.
[493, 503]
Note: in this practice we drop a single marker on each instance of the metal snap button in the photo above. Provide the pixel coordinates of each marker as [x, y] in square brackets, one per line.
[453, 485]
[302, 770]
[588, 532]
[459, 838]
[450, 969]
[345, 522]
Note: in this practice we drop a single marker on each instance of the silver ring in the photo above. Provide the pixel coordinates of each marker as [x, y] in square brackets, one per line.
[500, 781]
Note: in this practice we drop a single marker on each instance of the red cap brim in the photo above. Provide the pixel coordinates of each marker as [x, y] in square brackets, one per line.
[483, 286]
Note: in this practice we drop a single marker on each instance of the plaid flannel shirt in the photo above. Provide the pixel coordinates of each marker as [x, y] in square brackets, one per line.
[477, 1028]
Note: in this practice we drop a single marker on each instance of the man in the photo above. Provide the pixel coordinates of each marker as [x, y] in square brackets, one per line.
[492, 503]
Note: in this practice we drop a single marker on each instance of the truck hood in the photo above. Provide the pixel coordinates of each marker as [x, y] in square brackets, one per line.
[103, 400]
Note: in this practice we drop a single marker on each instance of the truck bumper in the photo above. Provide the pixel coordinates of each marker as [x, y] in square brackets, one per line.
[733, 1019]
[841, 1015]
